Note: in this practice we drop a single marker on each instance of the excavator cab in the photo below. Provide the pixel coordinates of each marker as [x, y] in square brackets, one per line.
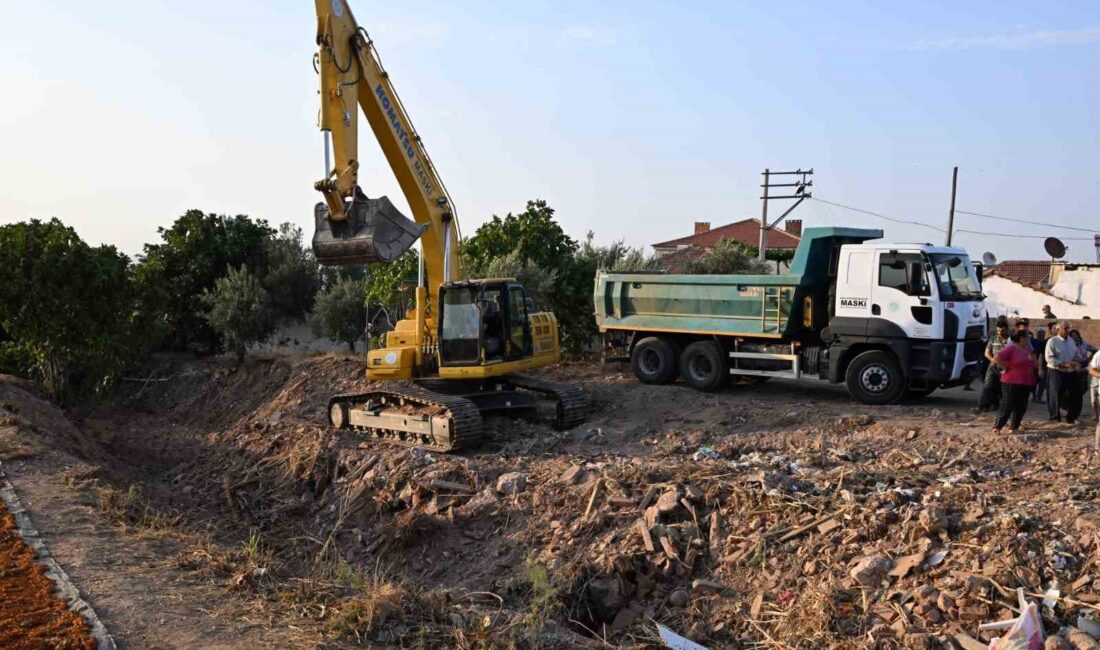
[373, 231]
[483, 321]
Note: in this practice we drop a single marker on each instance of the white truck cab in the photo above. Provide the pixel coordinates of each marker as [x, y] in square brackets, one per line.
[924, 302]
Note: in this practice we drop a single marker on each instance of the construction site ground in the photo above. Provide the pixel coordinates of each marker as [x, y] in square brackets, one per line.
[206, 504]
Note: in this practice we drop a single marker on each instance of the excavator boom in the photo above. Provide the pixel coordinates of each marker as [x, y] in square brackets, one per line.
[352, 229]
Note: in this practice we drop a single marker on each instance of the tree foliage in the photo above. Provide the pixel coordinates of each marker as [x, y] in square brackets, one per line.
[533, 234]
[390, 286]
[239, 309]
[65, 308]
[292, 276]
[340, 313]
[728, 256]
[193, 253]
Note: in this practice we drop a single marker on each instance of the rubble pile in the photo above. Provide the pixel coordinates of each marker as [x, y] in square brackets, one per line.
[812, 530]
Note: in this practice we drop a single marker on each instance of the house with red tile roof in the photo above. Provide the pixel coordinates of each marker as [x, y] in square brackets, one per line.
[746, 231]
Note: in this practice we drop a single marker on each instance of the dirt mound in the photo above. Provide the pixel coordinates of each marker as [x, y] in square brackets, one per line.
[30, 424]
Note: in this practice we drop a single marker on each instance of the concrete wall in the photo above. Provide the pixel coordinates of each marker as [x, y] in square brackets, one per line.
[295, 338]
[1008, 298]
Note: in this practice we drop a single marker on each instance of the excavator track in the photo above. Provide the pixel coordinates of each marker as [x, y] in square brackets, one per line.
[572, 403]
[409, 416]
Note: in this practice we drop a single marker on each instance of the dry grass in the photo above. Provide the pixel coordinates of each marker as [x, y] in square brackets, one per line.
[12, 447]
[131, 510]
[819, 617]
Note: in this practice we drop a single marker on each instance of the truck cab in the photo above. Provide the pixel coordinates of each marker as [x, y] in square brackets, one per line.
[919, 302]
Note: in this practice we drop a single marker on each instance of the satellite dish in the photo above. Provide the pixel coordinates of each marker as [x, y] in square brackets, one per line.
[989, 259]
[1054, 247]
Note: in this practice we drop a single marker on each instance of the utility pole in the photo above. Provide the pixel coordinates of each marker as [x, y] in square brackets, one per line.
[951, 215]
[801, 192]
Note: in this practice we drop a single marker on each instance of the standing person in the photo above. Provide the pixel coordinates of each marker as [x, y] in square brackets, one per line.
[1038, 346]
[1047, 314]
[991, 389]
[1094, 374]
[1017, 364]
[1062, 376]
[1085, 350]
[1022, 324]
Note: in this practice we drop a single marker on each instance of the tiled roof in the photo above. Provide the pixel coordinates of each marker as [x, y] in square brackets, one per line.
[746, 232]
[677, 261]
[1025, 272]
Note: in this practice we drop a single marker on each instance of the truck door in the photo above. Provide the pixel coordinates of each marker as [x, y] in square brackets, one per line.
[853, 291]
[902, 294]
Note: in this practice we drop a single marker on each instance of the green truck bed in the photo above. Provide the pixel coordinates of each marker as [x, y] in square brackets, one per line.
[766, 306]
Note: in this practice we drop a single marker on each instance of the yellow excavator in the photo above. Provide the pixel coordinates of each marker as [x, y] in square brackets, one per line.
[455, 357]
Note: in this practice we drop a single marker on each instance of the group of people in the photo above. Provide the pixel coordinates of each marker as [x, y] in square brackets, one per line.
[1025, 367]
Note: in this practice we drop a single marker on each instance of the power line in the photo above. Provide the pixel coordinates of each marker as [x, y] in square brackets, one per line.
[1004, 234]
[880, 216]
[1034, 223]
[937, 228]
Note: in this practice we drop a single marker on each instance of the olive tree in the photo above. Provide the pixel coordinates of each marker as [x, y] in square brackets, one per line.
[239, 309]
[340, 312]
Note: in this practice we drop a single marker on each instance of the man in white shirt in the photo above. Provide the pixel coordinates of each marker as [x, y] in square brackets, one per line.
[1062, 376]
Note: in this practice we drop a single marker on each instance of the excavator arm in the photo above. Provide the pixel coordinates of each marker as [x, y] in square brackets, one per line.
[352, 229]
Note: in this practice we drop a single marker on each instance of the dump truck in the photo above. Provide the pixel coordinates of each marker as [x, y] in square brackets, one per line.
[886, 319]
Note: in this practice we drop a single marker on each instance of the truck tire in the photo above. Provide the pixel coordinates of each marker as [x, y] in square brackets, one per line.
[875, 377]
[704, 366]
[653, 360]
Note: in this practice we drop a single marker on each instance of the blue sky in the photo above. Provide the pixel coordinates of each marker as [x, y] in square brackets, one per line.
[633, 119]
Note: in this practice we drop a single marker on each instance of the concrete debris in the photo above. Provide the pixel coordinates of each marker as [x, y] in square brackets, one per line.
[512, 483]
[1079, 640]
[872, 570]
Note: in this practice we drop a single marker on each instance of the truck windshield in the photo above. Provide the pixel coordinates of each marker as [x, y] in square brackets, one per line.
[956, 277]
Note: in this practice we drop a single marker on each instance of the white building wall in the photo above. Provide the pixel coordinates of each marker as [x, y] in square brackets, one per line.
[1008, 298]
[1081, 286]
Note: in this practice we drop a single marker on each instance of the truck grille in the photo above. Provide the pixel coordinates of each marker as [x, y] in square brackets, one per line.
[975, 332]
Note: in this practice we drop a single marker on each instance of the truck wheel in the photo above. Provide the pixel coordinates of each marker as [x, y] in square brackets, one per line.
[653, 360]
[704, 366]
[874, 377]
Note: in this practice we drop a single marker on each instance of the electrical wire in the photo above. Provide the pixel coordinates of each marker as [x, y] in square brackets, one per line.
[1034, 223]
[1005, 234]
[958, 230]
[880, 216]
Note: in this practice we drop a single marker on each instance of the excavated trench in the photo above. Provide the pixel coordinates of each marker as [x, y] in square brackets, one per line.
[241, 455]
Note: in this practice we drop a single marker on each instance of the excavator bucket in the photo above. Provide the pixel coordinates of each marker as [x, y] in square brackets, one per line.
[375, 231]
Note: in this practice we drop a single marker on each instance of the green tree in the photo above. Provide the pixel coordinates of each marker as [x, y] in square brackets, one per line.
[535, 239]
[390, 286]
[65, 308]
[340, 313]
[616, 256]
[239, 309]
[193, 253]
[728, 256]
[291, 275]
[533, 234]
